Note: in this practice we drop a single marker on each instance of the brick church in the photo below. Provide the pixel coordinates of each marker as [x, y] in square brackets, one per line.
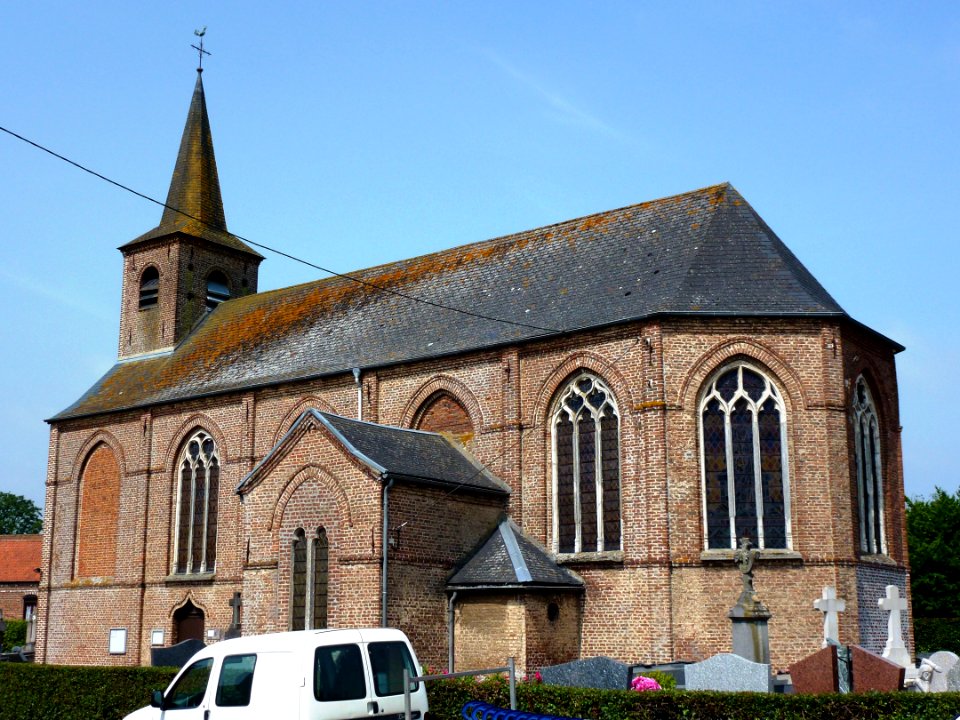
[545, 445]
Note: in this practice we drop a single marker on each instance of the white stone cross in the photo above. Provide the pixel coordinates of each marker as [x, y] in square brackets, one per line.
[830, 606]
[895, 650]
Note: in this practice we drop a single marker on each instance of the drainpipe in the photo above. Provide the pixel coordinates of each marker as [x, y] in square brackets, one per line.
[385, 545]
[356, 379]
[453, 599]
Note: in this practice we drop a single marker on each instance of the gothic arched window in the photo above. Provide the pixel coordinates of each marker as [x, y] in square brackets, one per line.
[866, 434]
[586, 468]
[218, 289]
[309, 580]
[298, 594]
[743, 436]
[197, 494]
[321, 577]
[149, 288]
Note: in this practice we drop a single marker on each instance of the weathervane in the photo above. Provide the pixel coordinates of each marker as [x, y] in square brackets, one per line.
[200, 33]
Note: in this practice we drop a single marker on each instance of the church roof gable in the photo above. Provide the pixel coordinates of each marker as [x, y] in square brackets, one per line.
[508, 558]
[705, 252]
[393, 453]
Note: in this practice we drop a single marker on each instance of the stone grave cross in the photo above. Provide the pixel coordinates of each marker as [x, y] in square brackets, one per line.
[895, 650]
[831, 607]
[236, 602]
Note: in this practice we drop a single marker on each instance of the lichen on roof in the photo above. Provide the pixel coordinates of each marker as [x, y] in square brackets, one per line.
[704, 252]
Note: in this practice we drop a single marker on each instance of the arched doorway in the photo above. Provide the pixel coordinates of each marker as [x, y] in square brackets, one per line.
[188, 623]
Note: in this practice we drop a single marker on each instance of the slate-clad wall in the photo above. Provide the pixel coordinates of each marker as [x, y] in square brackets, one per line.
[872, 581]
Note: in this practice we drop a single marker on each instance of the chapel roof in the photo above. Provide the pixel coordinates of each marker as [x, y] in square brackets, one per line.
[20, 558]
[702, 253]
[194, 205]
[393, 453]
[510, 559]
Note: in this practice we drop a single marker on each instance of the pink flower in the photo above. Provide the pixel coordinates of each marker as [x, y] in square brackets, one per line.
[642, 683]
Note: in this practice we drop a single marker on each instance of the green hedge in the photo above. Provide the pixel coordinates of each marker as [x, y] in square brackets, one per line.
[932, 634]
[447, 697]
[51, 692]
[55, 692]
[15, 635]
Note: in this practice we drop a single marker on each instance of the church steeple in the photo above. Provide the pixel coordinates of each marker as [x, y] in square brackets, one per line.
[195, 186]
[188, 263]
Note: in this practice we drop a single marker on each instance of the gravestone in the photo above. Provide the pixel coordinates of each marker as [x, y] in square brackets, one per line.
[727, 672]
[831, 607]
[873, 672]
[600, 672]
[953, 679]
[895, 650]
[817, 673]
[175, 655]
[946, 661]
[751, 638]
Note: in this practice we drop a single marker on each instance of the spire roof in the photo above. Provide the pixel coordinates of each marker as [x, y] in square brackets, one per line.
[194, 206]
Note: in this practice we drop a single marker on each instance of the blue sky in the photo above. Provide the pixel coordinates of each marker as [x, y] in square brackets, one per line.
[357, 133]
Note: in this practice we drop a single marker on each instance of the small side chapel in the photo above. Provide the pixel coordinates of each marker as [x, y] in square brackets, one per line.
[545, 445]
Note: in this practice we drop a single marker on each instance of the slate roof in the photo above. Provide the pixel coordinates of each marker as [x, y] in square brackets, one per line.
[509, 559]
[195, 186]
[702, 253]
[397, 453]
[20, 558]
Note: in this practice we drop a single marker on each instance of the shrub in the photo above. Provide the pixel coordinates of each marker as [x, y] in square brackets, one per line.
[447, 697]
[16, 634]
[38, 692]
[932, 634]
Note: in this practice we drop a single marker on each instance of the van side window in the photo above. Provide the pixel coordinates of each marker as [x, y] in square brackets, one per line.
[387, 660]
[338, 673]
[236, 679]
[190, 688]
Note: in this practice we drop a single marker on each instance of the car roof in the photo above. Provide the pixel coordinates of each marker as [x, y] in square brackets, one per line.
[298, 640]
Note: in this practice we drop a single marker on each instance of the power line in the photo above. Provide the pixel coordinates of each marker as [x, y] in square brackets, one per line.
[359, 281]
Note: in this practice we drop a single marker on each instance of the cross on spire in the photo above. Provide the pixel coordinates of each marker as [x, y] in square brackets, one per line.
[200, 33]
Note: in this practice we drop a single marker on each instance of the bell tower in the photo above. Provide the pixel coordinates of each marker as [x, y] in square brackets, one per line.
[189, 263]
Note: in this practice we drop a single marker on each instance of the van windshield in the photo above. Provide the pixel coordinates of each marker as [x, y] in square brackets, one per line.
[387, 660]
[338, 673]
[190, 688]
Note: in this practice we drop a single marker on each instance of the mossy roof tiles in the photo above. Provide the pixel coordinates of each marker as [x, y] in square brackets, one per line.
[705, 252]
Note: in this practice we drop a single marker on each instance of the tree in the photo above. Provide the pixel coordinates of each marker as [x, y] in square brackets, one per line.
[18, 515]
[933, 531]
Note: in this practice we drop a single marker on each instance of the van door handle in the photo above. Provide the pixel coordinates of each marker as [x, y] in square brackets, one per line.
[206, 714]
[373, 708]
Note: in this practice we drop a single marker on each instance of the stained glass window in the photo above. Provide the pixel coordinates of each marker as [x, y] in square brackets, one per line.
[586, 444]
[743, 446]
[866, 432]
[197, 500]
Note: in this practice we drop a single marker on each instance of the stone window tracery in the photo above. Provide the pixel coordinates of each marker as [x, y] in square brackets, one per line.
[866, 432]
[743, 445]
[197, 501]
[586, 468]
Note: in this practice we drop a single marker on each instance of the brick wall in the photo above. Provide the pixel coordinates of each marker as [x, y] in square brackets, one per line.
[12, 596]
[657, 599]
[99, 510]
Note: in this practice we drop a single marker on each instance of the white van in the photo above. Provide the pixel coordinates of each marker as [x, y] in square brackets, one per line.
[303, 675]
